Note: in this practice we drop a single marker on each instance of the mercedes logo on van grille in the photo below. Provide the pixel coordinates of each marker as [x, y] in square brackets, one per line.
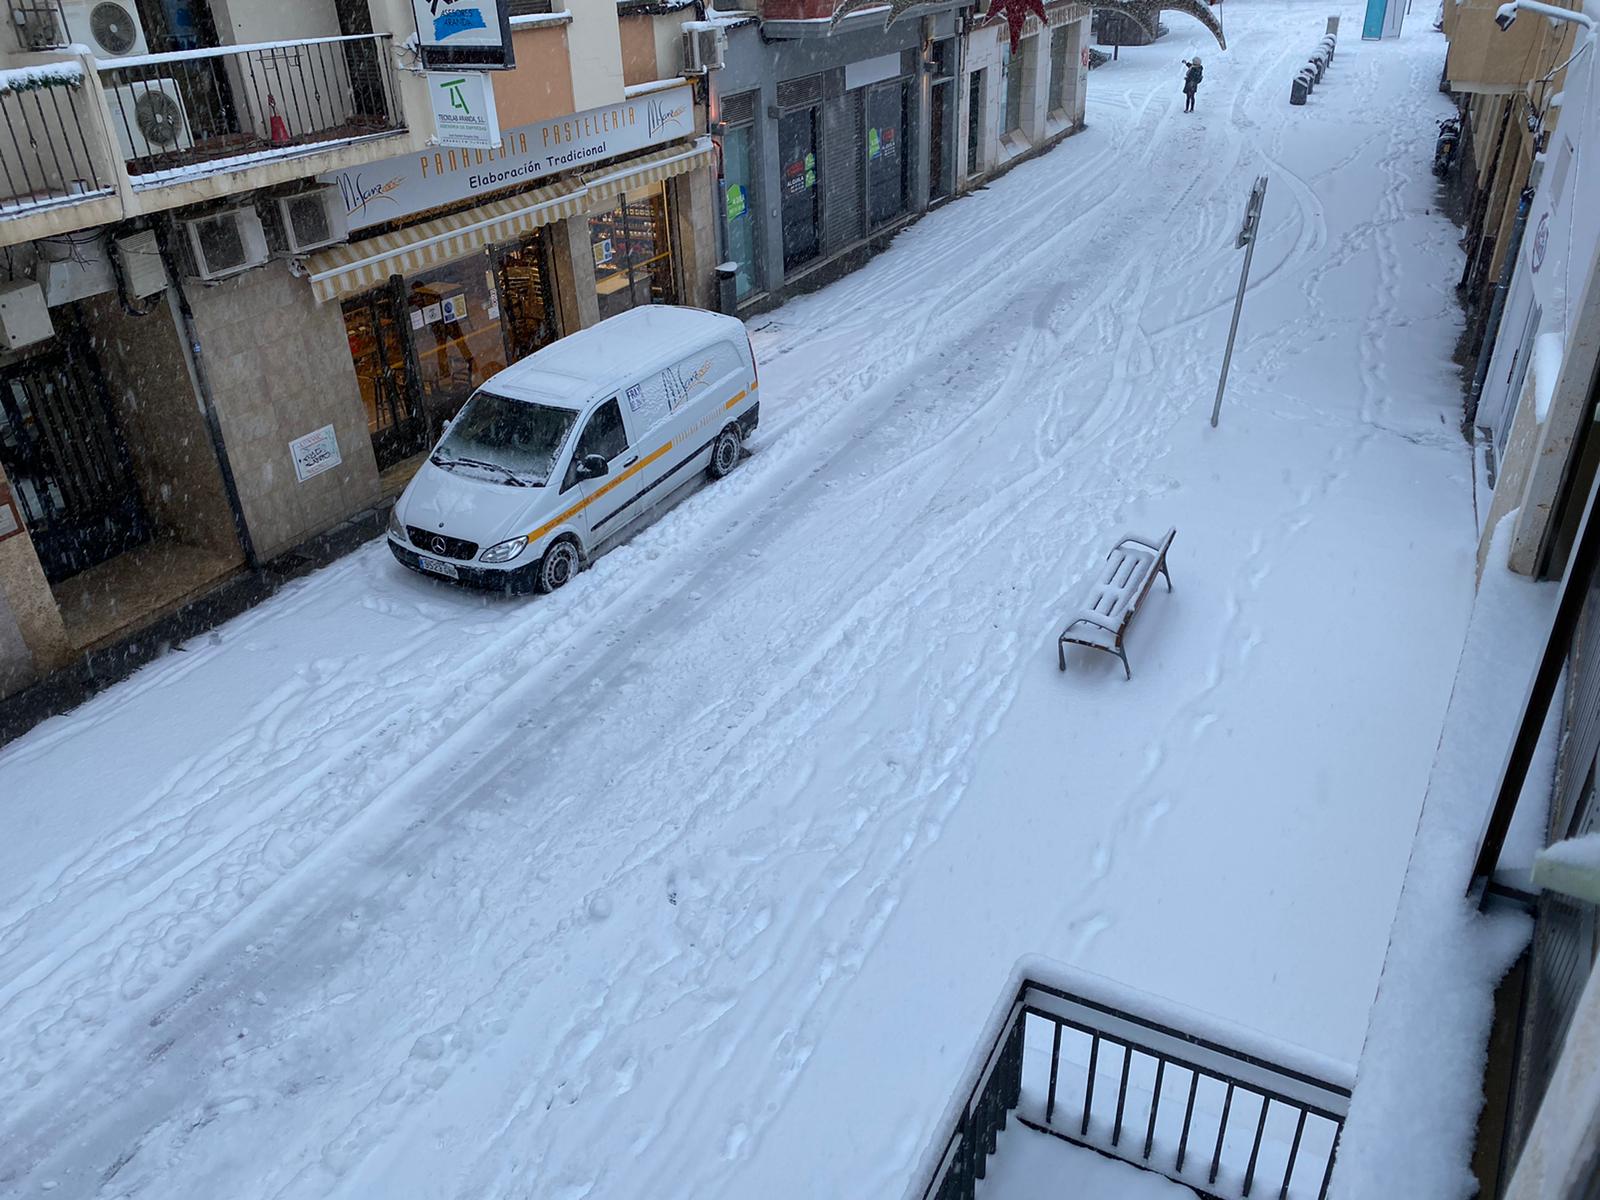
[439, 545]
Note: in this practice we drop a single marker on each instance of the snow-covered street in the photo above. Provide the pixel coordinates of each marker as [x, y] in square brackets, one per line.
[699, 877]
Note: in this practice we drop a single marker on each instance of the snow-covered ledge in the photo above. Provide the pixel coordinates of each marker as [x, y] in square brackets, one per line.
[539, 20]
[1419, 1083]
[634, 90]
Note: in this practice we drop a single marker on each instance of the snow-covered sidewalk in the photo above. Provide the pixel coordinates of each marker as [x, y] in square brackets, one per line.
[700, 877]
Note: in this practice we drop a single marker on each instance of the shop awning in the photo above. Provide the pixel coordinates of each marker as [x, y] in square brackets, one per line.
[605, 183]
[360, 266]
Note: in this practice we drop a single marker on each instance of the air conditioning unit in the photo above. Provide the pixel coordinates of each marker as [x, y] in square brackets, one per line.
[110, 28]
[73, 268]
[705, 47]
[149, 118]
[224, 243]
[24, 317]
[139, 257]
[306, 221]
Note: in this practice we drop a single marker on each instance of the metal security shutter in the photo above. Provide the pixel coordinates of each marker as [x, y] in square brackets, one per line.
[843, 171]
[740, 109]
[797, 93]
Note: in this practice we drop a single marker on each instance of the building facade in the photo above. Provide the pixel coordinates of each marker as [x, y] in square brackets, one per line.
[244, 284]
[834, 136]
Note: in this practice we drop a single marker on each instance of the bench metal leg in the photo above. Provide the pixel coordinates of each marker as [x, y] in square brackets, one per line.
[1166, 572]
[1061, 653]
[1123, 655]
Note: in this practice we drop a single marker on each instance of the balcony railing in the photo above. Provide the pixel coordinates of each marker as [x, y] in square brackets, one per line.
[1130, 1077]
[234, 105]
[45, 155]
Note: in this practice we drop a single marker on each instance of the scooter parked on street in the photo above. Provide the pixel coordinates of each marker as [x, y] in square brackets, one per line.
[1444, 150]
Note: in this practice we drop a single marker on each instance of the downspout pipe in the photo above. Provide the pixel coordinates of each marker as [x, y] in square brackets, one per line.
[208, 407]
[1497, 307]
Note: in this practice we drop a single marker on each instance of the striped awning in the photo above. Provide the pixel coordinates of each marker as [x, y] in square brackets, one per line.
[605, 183]
[360, 266]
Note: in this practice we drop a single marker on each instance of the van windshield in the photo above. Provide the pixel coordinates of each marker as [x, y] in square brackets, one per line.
[517, 440]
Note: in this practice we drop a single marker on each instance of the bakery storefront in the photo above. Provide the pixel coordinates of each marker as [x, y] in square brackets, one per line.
[464, 261]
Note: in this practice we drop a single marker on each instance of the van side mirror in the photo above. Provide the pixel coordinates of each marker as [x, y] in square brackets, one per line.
[592, 467]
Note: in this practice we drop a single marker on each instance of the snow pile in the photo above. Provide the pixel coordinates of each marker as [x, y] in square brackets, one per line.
[1027, 1165]
[1548, 350]
[1419, 1082]
[1580, 853]
[48, 75]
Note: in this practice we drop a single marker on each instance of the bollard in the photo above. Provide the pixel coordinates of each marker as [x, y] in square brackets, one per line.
[1315, 67]
[1298, 90]
[1310, 80]
[1320, 64]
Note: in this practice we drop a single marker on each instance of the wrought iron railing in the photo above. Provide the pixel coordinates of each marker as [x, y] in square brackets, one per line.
[212, 107]
[1120, 1077]
[45, 153]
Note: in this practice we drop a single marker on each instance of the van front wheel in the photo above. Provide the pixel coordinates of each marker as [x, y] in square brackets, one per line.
[560, 563]
[725, 452]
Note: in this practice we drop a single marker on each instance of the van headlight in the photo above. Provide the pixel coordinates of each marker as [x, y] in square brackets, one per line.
[504, 551]
[395, 528]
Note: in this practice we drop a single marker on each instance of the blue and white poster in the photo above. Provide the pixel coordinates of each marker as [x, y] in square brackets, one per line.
[464, 33]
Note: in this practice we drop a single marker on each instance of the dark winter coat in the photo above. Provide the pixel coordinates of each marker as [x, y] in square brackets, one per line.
[1191, 79]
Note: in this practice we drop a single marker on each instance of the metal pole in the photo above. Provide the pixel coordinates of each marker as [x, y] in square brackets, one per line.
[1238, 303]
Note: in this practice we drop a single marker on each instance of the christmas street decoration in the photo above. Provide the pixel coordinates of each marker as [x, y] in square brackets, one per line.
[1147, 14]
[1144, 13]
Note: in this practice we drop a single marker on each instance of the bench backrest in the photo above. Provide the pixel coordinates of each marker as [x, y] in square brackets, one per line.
[1121, 585]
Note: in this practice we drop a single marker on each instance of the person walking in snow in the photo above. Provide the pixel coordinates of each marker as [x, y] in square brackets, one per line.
[1191, 81]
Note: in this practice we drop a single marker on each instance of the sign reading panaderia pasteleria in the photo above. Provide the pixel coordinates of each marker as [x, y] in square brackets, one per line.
[398, 187]
[464, 33]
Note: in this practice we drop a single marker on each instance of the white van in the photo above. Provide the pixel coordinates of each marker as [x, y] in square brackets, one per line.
[572, 444]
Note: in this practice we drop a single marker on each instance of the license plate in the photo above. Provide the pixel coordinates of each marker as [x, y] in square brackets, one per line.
[448, 570]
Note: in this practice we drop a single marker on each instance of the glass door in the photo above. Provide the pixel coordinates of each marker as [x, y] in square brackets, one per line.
[797, 158]
[975, 123]
[739, 206]
[379, 349]
[519, 295]
[886, 158]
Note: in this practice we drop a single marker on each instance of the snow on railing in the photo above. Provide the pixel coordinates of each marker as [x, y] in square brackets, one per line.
[248, 102]
[44, 154]
[1201, 1101]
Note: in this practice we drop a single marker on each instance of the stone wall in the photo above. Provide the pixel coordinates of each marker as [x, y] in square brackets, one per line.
[278, 365]
[147, 377]
[33, 641]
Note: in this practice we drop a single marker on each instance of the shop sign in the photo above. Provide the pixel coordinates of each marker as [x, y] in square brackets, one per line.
[315, 453]
[463, 109]
[736, 201]
[10, 518]
[464, 33]
[413, 183]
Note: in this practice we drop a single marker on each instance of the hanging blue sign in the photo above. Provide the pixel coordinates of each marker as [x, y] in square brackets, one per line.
[464, 33]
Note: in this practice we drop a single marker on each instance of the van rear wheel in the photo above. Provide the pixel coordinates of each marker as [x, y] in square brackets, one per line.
[725, 452]
[560, 564]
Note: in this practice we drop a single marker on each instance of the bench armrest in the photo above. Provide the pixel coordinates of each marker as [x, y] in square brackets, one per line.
[1113, 630]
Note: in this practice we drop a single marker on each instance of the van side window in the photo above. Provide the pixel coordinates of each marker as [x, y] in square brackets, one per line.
[603, 435]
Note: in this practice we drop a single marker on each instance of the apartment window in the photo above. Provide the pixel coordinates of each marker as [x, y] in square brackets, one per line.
[1014, 73]
[1060, 36]
[527, 8]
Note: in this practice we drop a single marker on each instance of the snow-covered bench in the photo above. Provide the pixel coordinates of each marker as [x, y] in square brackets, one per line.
[1130, 569]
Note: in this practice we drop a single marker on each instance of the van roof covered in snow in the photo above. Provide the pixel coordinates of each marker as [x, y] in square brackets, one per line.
[610, 355]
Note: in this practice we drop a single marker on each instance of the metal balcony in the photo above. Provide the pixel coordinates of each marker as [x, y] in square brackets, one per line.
[47, 128]
[230, 107]
[1226, 1112]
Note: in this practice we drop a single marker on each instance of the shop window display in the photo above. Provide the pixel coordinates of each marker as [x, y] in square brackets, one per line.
[632, 246]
